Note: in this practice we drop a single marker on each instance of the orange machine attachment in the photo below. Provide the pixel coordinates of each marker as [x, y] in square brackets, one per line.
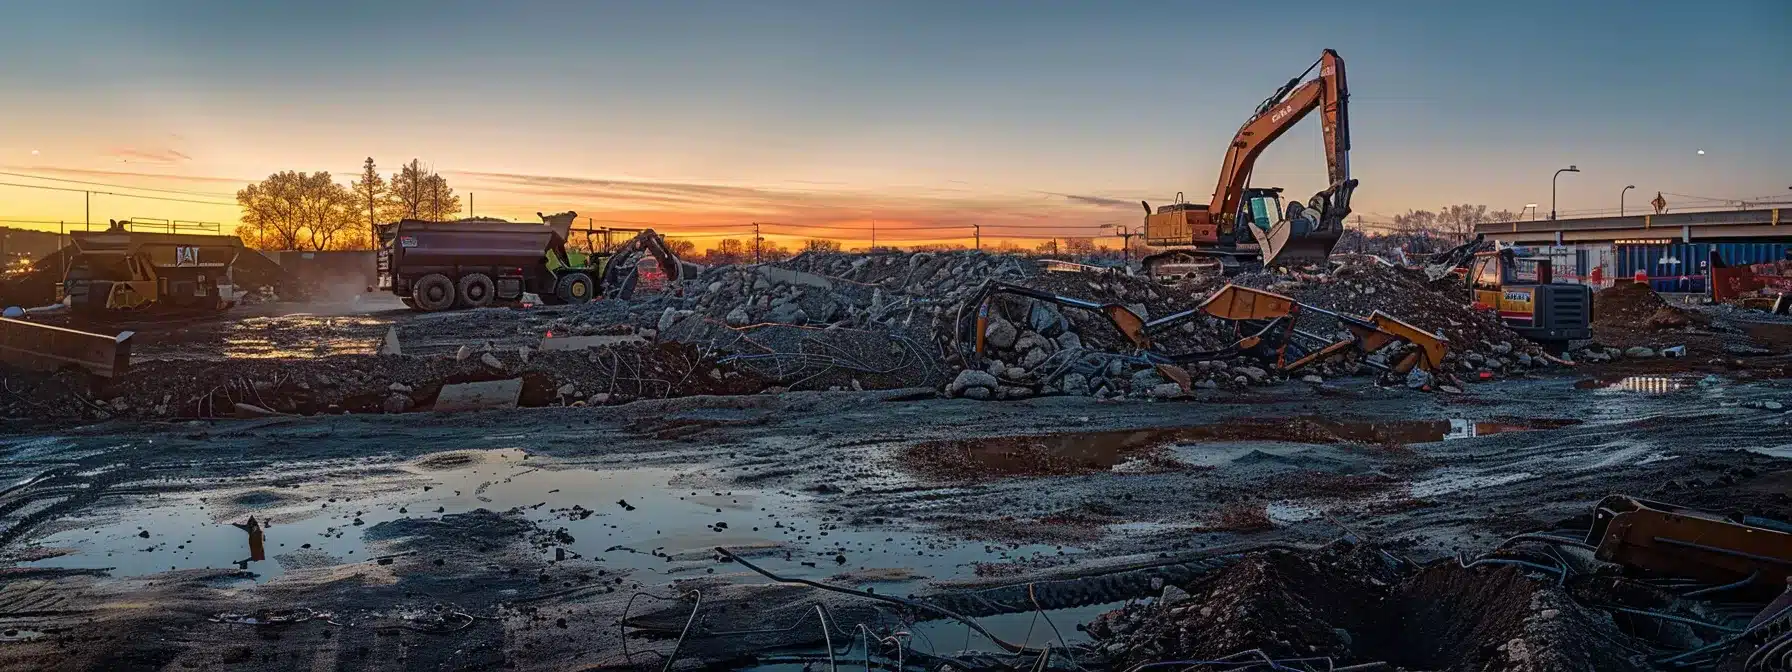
[1264, 323]
[1675, 541]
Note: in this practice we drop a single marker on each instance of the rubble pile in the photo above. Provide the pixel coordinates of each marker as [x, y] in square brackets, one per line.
[1480, 345]
[383, 384]
[1358, 605]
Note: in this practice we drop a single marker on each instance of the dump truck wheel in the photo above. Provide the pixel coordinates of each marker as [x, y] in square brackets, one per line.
[476, 290]
[410, 303]
[574, 288]
[433, 292]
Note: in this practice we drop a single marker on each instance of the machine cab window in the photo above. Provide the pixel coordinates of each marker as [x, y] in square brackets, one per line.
[1265, 210]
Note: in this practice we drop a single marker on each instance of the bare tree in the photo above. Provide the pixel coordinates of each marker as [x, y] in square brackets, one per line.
[1079, 247]
[293, 210]
[821, 245]
[681, 247]
[1457, 222]
[370, 194]
[417, 193]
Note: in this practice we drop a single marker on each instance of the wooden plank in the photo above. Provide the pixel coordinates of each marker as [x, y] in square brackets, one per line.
[41, 347]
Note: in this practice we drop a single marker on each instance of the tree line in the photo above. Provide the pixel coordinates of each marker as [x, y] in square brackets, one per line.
[295, 210]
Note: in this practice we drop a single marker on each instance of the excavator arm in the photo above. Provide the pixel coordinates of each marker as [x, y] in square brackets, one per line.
[1274, 117]
[620, 273]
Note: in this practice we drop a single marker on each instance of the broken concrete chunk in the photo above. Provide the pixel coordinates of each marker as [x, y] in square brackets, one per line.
[463, 353]
[399, 387]
[969, 379]
[397, 403]
[1639, 352]
[1256, 375]
[491, 360]
[738, 317]
[1000, 333]
[1033, 358]
[1166, 391]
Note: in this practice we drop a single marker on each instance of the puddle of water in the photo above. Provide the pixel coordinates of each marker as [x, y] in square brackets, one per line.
[1285, 512]
[1641, 384]
[667, 527]
[1089, 452]
[302, 336]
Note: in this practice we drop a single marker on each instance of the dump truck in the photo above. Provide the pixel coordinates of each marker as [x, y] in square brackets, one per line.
[119, 272]
[435, 266]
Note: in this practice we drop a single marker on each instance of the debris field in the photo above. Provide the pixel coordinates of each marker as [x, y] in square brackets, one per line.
[891, 460]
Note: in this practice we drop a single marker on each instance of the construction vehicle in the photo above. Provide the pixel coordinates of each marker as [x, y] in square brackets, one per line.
[1264, 325]
[1523, 291]
[119, 272]
[434, 266]
[1244, 225]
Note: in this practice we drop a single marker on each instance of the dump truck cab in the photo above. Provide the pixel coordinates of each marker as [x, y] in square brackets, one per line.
[1523, 292]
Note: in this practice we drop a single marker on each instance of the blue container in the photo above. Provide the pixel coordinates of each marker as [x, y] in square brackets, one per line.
[1682, 267]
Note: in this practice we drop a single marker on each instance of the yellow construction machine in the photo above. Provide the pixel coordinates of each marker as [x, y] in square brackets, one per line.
[119, 272]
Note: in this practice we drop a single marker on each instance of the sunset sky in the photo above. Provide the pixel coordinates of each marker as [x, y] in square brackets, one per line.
[1032, 118]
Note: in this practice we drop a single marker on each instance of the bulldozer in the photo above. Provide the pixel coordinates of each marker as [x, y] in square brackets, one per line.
[119, 272]
[1244, 226]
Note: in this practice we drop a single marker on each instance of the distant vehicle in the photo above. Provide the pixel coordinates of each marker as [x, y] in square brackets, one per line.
[434, 266]
[119, 272]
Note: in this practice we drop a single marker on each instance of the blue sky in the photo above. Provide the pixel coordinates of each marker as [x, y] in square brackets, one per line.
[909, 108]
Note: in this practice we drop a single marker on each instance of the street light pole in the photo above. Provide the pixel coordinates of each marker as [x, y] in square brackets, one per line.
[1621, 199]
[1552, 188]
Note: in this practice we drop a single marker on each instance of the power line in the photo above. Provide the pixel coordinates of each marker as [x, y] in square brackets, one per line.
[108, 193]
[119, 186]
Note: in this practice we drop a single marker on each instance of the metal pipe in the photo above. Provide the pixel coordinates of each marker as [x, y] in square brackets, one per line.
[1724, 588]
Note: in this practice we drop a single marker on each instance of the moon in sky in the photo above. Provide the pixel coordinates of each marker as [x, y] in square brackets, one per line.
[1701, 152]
[34, 152]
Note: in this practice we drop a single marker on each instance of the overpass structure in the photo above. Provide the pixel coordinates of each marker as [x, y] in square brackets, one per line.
[1757, 225]
[1672, 250]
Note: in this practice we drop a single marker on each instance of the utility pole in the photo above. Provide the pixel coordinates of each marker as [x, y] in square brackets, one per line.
[873, 234]
[469, 204]
[977, 232]
[1361, 238]
[756, 242]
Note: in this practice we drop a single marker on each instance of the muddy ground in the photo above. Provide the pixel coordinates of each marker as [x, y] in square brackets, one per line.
[521, 539]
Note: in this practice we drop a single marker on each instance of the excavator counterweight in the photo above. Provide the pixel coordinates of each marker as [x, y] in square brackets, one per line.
[1243, 224]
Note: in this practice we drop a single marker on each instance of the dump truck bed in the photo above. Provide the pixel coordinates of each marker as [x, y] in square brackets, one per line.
[474, 243]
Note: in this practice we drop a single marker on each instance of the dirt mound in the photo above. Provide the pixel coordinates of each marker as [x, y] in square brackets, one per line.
[1287, 605]
[1631, 305]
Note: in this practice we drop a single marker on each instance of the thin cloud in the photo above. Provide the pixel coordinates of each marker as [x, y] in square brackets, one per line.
[1098, 201]
[157, 156]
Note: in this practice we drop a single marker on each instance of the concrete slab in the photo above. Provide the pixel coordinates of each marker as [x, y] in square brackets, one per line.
[479, 396]
[583, 342]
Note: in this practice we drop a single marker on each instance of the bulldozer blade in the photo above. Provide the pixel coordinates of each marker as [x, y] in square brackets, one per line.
[41, 347]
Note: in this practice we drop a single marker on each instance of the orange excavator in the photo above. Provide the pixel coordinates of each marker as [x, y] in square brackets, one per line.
[1245, 225]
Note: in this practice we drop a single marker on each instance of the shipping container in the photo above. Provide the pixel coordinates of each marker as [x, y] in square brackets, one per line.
[1573, 263]
[1682, 267]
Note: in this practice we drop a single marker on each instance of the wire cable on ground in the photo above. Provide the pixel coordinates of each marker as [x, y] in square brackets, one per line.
[1005, 644]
